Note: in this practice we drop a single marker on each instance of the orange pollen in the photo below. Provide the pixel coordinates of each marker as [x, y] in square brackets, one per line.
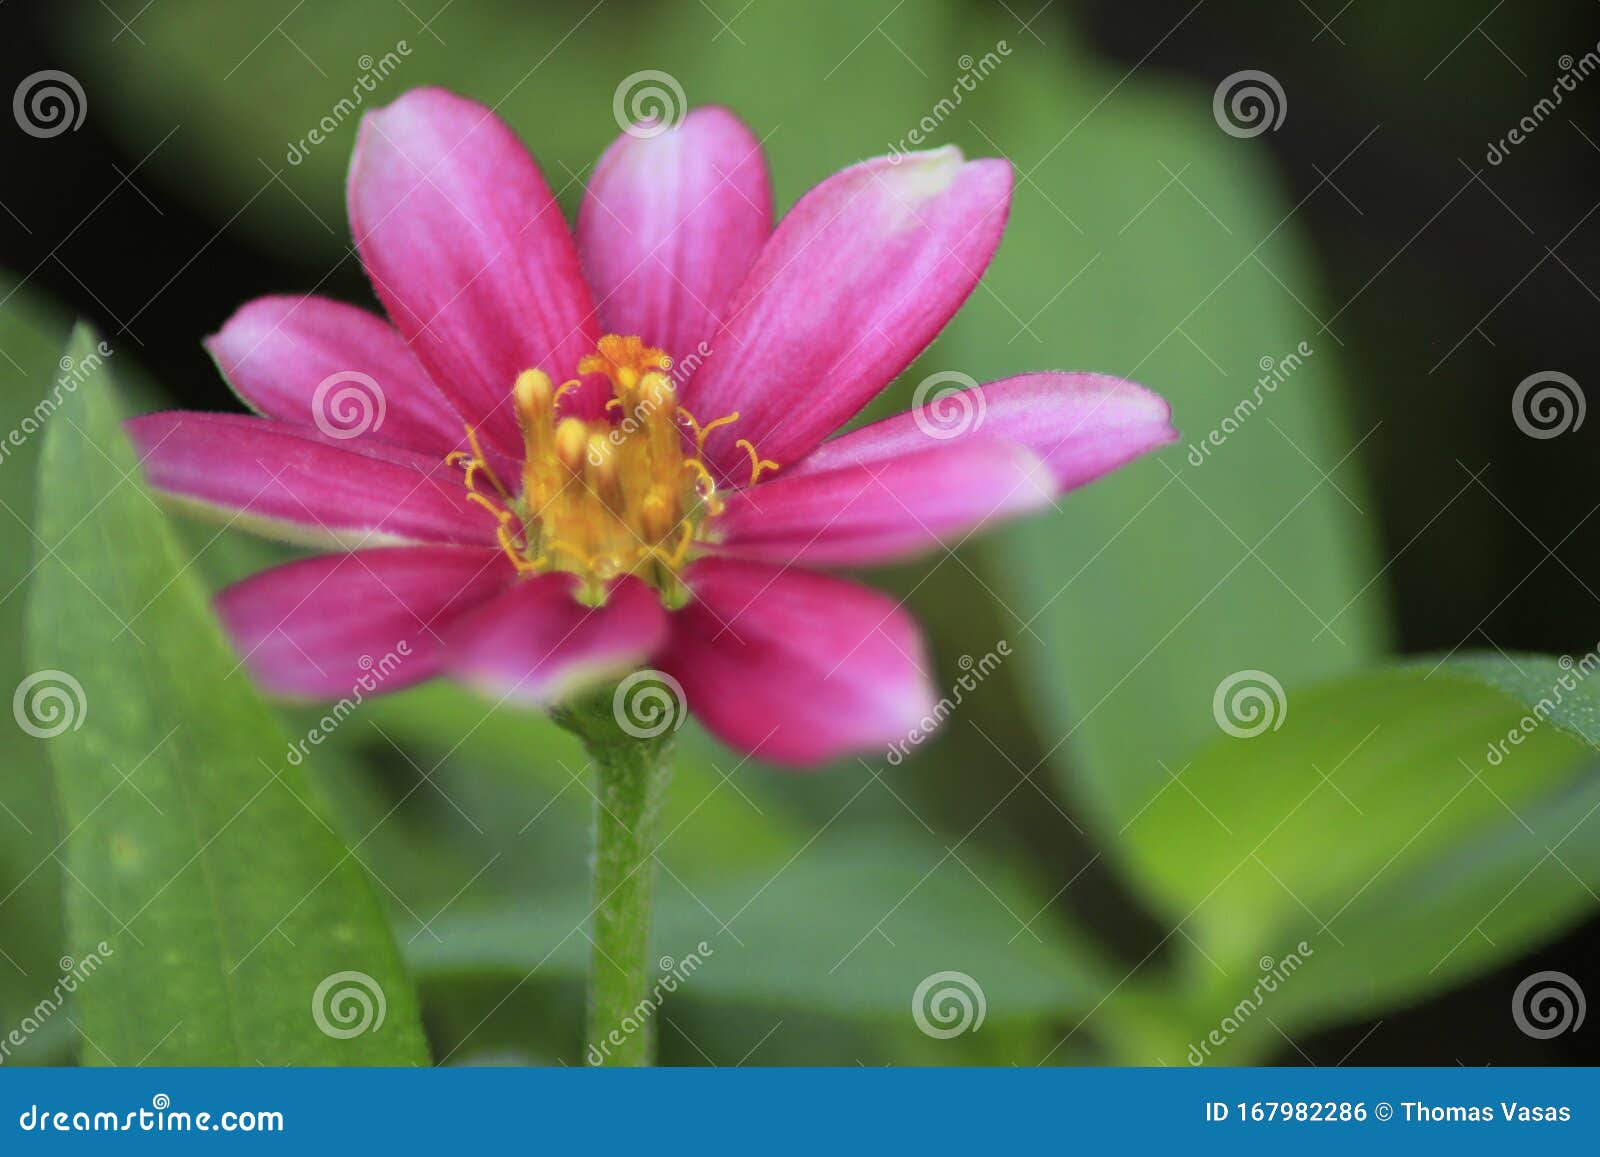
[628, 494]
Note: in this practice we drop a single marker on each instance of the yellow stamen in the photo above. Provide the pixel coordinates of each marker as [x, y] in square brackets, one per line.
[757, 462]
[600, 498]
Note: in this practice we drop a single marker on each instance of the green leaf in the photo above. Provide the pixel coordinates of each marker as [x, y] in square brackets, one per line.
[1390, 823]
[202, 871]
[31, 336]
[1145, 242]
[249, 86]
[848, 926]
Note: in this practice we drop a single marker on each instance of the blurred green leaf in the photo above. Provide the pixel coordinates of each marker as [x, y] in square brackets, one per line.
[202, 870]
[1147, 243]
[846, 927]
[1386, 821]
[31, 337]
[248, 86]
[718, 816]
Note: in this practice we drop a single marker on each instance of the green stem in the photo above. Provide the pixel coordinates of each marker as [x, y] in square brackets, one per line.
[631, 779]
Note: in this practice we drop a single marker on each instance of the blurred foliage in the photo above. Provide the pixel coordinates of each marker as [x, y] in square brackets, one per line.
[1143, 242]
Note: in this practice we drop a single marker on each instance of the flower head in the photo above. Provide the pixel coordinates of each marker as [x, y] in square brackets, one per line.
[562, 458]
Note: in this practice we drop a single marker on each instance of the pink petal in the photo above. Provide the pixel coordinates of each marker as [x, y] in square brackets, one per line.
[1082, 425]
[316, 362]
[671, 224]
[320, 626]
[855, 281]
[299, 485]
[537, 643]
[858, 515]
[468, 252]
[796, 667]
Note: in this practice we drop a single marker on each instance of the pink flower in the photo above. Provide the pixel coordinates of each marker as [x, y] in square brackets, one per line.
[532, 507]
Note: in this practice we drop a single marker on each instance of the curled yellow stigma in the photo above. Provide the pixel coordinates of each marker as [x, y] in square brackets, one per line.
[627, 494]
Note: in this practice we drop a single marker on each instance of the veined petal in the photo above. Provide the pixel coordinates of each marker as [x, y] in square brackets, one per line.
[316, 362]
[856, 280]
[1082, 425]
[861, 514]
[670, 225]
[796, 667]
[299, 485]
[322, 627]
[468, 252]
[536, 643]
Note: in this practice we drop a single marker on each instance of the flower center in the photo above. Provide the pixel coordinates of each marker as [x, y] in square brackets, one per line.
[628, 494]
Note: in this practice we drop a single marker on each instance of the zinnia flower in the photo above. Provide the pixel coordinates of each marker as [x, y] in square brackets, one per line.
[562, 459]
